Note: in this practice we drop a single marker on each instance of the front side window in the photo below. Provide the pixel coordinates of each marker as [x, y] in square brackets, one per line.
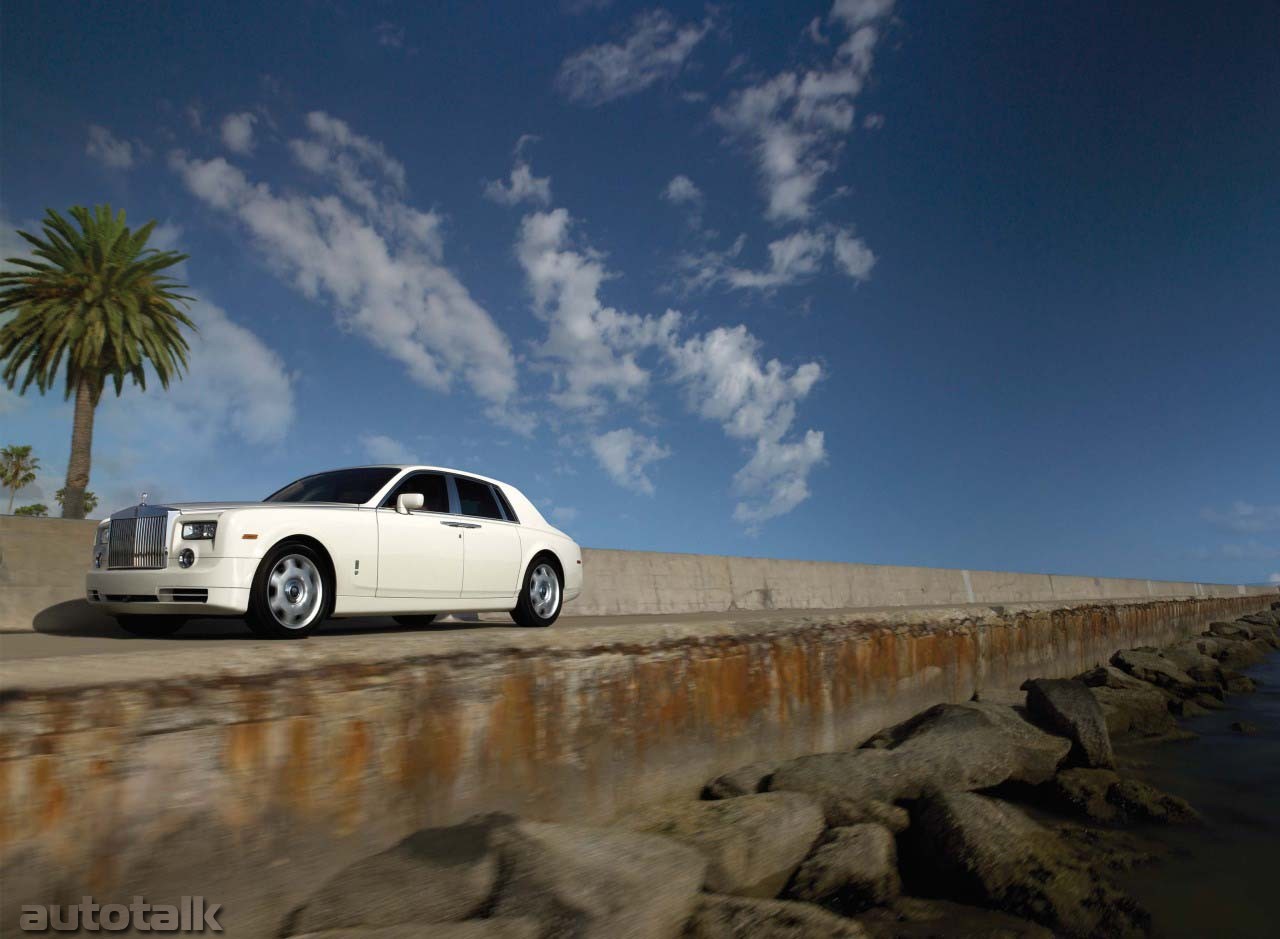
[349, 486]
[431, 486]
[476, 498]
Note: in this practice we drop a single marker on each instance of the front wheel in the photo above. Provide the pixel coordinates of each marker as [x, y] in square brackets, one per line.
[290, 596]
[150, 627]
[540, 597]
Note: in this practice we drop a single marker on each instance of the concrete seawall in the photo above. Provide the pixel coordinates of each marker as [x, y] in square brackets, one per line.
[248, 777]
[43, 562]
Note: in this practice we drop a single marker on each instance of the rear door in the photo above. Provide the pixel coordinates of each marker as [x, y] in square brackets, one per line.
[420, 554]
[491, 566]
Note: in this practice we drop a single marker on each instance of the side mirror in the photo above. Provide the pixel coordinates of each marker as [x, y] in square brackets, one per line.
[408, 502]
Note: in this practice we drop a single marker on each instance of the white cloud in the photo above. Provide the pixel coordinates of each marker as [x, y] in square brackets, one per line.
[389, 35]
[853, 256]
[1244, 517]
[237, 132]
[727, 381]
[1252, 550]
[383, 449]
[655, 49]
[382, 272]
[626, 456]
[564, 514]
[873, 121]
[795, 123]
[1274, 578]
[110, 150]
[792, 259]
[591, 348]
[594, 352]
[682, 191]
[522, 185]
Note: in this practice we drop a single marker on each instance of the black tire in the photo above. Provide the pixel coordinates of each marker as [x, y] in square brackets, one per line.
[418, 619]
[150, 627]
[289, 566]
[527, 611]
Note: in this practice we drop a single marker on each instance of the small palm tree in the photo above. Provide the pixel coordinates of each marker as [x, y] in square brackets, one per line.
[17, 469]
[96, 298]
[90, 500]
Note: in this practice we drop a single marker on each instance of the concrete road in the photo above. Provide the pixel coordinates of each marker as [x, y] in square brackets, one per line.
[228, 634]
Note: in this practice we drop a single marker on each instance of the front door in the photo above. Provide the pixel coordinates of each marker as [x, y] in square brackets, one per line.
[420, 554]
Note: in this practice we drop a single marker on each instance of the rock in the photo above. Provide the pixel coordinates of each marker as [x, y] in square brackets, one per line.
[1104, 796]
[1239, 684]
[721, 917]
[1011, 699]
[1139, 800]
[1260, 619]
[1244, 727]
[744, 781]
[979, 850]
[840, 812]
[753, 844]
[1153, 668]
[955, 746]
[1211, 674]
[1188, 656]
[1069, 708]
[1140, 712]
[597, 883]
[917, 918]
[435, 875]
[1238, 654]
[851, 869]
[1276, 605]
[1108, 676]
[1109, 848]
[505, 927]
[1231, 630]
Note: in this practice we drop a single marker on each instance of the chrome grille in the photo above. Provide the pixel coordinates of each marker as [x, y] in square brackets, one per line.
[138, 543]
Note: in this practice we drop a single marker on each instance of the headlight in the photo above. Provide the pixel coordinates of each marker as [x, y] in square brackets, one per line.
[198, 531]
[104, 534]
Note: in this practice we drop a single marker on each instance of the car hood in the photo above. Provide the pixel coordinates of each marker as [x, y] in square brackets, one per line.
[196, 507]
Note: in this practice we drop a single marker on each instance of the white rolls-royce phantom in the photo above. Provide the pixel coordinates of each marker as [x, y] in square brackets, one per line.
[410, 542]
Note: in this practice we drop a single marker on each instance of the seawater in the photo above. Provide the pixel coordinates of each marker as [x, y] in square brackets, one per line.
[1219, 880]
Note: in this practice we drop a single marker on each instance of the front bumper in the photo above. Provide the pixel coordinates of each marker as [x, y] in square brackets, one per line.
[210, 587]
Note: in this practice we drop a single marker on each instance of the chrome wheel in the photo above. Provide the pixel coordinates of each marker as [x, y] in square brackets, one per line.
[295, 591]
[544, 591]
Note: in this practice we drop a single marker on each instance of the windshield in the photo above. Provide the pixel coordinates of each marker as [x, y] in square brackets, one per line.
[352, 486]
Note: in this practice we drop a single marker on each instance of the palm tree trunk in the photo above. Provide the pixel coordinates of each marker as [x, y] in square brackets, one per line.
[12, 493]
[81, 447]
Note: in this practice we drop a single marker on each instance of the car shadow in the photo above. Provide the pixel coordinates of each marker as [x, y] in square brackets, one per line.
[78, 619]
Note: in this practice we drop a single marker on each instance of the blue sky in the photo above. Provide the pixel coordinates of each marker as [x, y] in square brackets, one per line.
[908, 283]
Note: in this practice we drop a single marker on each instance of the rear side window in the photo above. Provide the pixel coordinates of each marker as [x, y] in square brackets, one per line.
[506, 506]
[431, 486]
[476, 498]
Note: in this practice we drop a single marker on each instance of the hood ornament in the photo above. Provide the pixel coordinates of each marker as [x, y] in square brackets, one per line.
[143, 499]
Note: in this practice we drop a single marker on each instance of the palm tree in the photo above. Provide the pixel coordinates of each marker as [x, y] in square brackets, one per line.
[95, 297]
[90, 499]
[17, 469]
[37, 510]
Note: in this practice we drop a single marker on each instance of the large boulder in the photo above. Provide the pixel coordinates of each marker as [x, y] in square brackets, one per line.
[1136, 712]
[919, 918]
[435, 875]
[597, 883]
[1152, 667]
[1108, 676]
[753, 843]
[1068, 708]
[503, 927]
[1242, 653]
[975, 849]
[973, 745]
[743, 781]
[1103, 796]
[1188, 656]
[1231, 630]
[851, 869]
[722, 917]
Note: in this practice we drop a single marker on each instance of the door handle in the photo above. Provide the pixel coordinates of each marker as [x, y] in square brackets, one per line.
[459, 524]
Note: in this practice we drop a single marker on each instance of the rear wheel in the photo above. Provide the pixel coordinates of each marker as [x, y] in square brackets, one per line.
[541, 596]
[424, 619]
[291, 593]
[150, 626]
